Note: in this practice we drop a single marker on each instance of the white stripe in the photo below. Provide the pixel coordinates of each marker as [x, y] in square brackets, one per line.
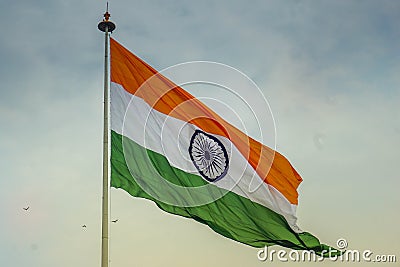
[171, 137]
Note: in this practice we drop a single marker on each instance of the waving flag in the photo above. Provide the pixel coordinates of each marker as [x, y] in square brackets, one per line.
[169, 147]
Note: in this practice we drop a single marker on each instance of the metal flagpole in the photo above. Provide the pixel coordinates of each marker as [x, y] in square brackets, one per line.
[107, 27]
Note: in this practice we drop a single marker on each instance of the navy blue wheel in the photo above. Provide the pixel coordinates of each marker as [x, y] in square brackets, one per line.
[208, 155]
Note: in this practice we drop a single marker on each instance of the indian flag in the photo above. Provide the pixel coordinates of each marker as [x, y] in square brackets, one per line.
[169, 147]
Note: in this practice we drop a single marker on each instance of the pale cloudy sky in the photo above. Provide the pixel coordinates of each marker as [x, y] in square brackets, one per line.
[329, 69]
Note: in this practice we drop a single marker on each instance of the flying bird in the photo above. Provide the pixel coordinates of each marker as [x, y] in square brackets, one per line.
[84, 226]
[27, 208]
[114, 221]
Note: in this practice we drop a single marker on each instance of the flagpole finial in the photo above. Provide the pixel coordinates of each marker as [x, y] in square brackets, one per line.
[106, 24]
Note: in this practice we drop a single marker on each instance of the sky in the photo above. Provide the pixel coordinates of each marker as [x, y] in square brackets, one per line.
[329, 70]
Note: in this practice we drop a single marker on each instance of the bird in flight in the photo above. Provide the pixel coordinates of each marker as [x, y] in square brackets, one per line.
[114, 221]
[84, 226]
[27, 208]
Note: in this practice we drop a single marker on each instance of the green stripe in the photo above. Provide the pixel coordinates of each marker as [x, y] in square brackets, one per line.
[232, 216]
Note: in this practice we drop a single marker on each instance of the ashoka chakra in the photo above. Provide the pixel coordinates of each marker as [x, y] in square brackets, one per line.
[208, 155]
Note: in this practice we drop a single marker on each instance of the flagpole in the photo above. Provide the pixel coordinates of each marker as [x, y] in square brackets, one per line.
[107, 27]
